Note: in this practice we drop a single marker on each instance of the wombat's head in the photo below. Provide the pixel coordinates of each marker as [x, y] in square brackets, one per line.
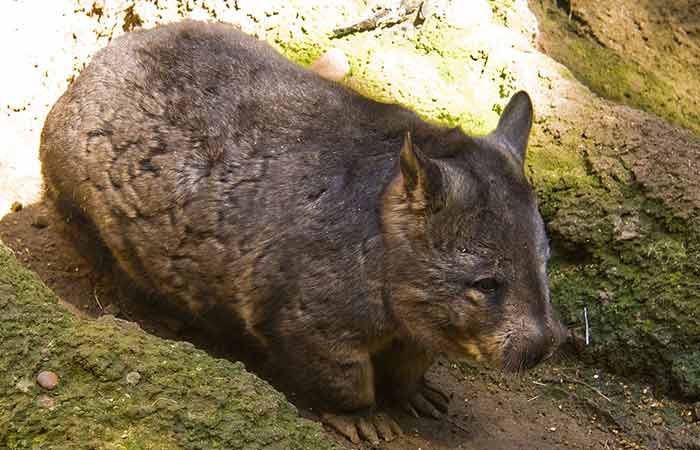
[466, 246]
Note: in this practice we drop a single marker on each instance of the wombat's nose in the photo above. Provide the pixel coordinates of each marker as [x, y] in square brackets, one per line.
[532, 347]
[561, 332]
[558, 334]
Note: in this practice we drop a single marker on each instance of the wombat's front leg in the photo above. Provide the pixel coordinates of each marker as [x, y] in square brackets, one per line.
[341, 376]
[370, 427]
[402, 370]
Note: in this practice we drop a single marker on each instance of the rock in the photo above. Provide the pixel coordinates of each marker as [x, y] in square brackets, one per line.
[688, 416]
[458, 15]
[133, 378]
[47, 379]
[16, 207]
[332, 65]
[40, 221]
[44, 401]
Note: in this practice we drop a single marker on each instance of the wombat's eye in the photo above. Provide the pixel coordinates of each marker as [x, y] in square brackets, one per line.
[487, 285]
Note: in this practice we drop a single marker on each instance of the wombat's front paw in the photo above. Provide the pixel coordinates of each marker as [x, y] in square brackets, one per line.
[428, 401]
[371, 428]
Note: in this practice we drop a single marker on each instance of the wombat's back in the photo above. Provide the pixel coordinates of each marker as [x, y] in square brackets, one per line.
[194, 149]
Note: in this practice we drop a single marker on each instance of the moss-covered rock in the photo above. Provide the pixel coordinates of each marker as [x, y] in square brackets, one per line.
[121, 388]
[643, 53]
[628, 245]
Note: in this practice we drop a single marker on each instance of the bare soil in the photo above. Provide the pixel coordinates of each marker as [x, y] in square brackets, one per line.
[561, 405]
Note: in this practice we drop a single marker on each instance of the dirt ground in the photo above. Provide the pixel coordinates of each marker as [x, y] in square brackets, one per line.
[561, 405]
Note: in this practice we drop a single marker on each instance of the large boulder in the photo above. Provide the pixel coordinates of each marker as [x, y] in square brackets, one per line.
[643, 53]
[631, 232]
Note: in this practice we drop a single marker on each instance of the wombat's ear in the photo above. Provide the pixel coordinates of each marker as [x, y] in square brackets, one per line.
[514, 126]
[422, 179]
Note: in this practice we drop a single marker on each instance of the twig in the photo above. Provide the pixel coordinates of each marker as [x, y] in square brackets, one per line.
[593, 388]
[563, 379]
[94, 294]
[365, 25]
[385, 17]
[585, 320]
[164, 399]
[458, 425]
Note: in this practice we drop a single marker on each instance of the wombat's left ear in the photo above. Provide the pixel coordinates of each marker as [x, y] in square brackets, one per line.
[514, 126]
[421, 178]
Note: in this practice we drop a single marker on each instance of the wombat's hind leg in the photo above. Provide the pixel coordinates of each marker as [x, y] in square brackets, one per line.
[371, 428]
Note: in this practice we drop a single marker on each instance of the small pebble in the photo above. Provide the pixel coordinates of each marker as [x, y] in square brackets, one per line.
[44, 401]
[332, 65]
[133, 378]
[47, 379]
[688, 416]
[40, 221]
[24, 385]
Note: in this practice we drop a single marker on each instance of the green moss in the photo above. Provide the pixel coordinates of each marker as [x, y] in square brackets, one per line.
[301, 49]
[181, 398]
[630, 260]
[501, 10]
[642, 316]
[686, 371]
[637, 278]
[610, 75]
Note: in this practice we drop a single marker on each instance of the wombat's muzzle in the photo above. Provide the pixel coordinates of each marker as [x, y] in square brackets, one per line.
[524, 352]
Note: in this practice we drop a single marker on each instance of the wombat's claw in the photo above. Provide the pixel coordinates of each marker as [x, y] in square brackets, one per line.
[428, 402]
[369, 428]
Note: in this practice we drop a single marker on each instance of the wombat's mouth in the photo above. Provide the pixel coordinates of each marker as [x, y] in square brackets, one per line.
[472, 350]
[519, 360]
[504, 353]
[488, 353]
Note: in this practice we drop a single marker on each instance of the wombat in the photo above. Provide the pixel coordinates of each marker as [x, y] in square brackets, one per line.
[350, 240]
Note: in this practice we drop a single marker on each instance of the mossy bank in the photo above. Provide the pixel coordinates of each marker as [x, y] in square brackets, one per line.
[121, 388]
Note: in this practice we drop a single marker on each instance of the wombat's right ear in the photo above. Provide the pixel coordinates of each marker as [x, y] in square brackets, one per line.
[422, 179]
[514, 126]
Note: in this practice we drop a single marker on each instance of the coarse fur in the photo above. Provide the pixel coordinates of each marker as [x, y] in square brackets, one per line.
[351, 241]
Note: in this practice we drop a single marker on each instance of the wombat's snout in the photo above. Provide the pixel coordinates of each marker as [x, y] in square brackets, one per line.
[559, 335]
[534, 345]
